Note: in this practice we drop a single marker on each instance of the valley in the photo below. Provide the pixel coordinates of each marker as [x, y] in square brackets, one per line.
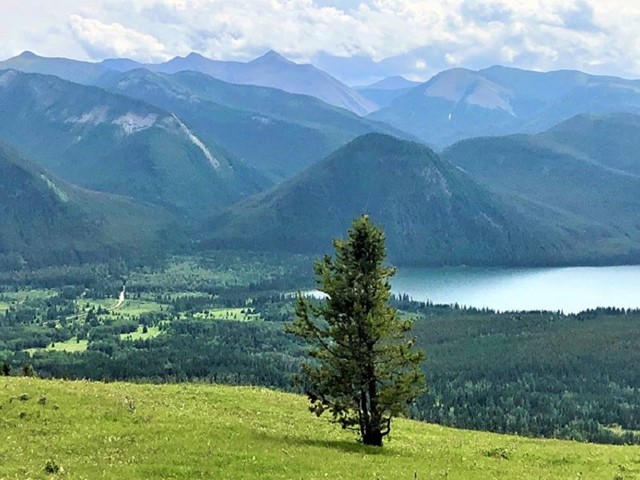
[220, 318]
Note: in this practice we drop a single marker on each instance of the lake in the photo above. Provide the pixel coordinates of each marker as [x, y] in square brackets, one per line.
[568, 289]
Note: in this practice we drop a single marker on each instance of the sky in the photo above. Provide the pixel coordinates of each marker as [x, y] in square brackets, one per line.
[356, 40]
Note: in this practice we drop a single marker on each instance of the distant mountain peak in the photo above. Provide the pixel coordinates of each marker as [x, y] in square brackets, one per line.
[195, 55]
[272, 57]
[28, 54]
[395, 82]
[192, 57]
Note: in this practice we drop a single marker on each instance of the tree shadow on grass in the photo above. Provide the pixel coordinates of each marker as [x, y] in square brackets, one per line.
[342, 445]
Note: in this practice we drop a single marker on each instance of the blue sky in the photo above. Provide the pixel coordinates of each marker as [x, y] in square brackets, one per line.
[357, 40]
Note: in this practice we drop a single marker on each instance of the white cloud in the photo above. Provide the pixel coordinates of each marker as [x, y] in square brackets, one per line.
[595, 35]
[114, 40]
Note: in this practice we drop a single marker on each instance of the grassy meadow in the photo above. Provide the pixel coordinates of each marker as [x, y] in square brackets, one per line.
[81, 430]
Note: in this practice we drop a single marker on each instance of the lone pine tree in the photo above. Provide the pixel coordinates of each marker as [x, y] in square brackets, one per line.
[363, 369]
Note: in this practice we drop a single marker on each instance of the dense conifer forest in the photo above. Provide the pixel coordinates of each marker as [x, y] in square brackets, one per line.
[220, 318]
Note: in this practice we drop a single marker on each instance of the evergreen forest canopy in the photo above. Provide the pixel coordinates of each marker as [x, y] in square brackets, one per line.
[220, 318]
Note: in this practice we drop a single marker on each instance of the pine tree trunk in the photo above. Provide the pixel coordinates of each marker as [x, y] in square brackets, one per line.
[373, 438]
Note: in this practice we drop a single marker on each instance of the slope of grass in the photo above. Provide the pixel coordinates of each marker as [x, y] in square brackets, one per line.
[80, 430]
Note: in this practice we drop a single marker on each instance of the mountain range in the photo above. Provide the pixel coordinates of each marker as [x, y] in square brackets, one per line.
[459, 103]
[537, 168]
[432, 212]
[276, 132]
[586, 168]
[270, 70]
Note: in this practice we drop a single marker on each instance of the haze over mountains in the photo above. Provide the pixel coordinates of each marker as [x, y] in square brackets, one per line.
[240, 165]
[384, 92]
[459, 103]
[270, 70]
[277, 132]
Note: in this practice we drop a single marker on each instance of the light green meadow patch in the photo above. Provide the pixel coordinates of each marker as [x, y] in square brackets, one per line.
[232, 314]
[23, 295]
[139, 307]
[152, 332]
[129, 307]
[70, 346]
[183, 432]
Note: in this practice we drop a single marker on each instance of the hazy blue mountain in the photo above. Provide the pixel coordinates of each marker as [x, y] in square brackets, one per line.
[585, 168]
[384, 92]
[115, 144]
[432, 212]
[72, 70]
[275, 131]
[460, 103]
[273, 70]
[391, 83]
[121, 64]
[270, 70]
[45, 221]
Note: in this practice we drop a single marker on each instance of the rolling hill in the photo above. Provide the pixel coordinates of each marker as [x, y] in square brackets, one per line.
[459, 103]
[114, 144]
[611, 140]
[432, 212]
[278, 133]
[45, 221]
[81, 430]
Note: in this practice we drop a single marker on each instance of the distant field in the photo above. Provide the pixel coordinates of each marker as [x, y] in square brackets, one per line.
[95, 430]
[70, 346]
[130, 307]
[235, 314]
[26, 294]
[152, 332]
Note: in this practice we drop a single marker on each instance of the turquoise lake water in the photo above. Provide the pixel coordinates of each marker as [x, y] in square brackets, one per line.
[567, 289]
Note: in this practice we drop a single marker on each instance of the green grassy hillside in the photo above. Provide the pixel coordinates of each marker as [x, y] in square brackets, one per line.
[94, 430]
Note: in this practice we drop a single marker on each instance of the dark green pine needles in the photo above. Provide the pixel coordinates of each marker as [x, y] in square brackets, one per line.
[363, 368]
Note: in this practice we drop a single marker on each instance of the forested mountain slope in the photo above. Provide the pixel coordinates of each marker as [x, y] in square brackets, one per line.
[45, 221]
[586, 167]
[277, 132]
[432, 212]
[115, 144]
